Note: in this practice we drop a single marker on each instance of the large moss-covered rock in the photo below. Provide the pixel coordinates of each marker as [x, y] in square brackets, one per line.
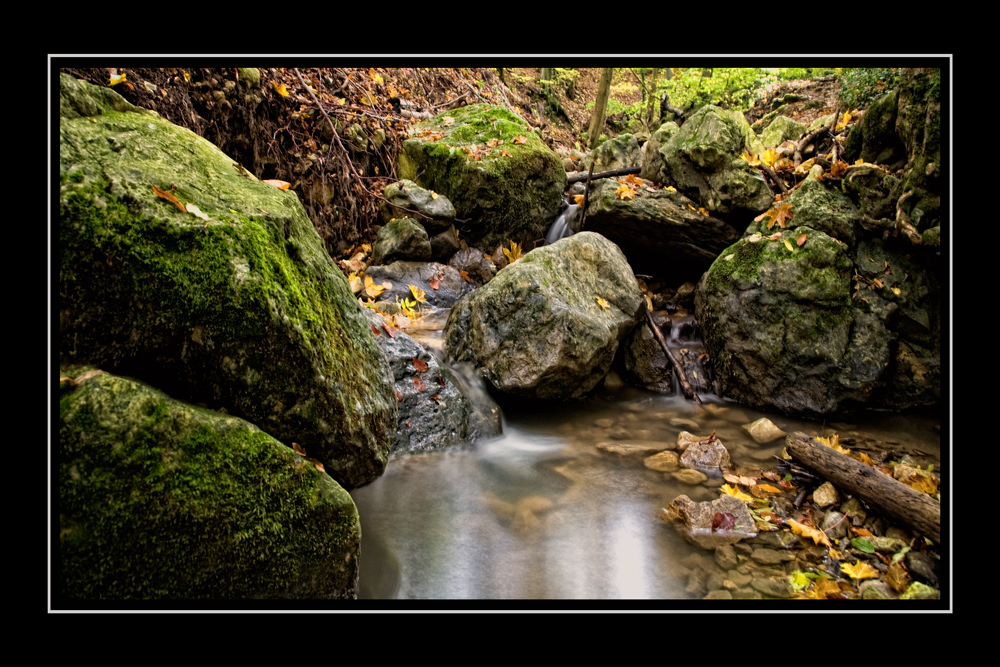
[158, 499]
[703, 159]
[615, 153]
[659, 232]
[500, 197]
[548, 325]
[780, 130]
[652, 161]
[236, 306]
[874, 139]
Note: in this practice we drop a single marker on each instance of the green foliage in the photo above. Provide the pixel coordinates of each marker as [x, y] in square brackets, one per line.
[789, 73]
[728, 87]
[860, 86]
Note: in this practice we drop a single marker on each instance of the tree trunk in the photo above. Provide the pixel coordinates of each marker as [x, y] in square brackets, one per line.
[548, 74]
[651, 97]
[600, 108]
[903, 503]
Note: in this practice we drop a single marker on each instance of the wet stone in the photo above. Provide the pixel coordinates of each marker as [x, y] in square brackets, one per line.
[772, 587]
[725, 557]
[763, 430]
[875, 590]
[743, 549]
[719, 595]
[887, 544]
[746, 594]
[689, 476]
[825, 495]
[833, 518]
[630, 450]
[781, 539]
[855, 512]
[922, 567]
[714, 581]
[771, 556]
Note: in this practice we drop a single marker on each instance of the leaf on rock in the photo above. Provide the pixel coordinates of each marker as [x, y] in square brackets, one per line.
[418, 383]
[434, 283]
[602, 303]
[371, 289]
[817, 536]
[376, 331]
[297, 448]
[465, 276]
[861, 544]
[448, 120]
[859, 570]
[897, 577]
[417, 293]
[163, 194]
[514, 253]
[281, 185]
[520, 139]
[723, 521]
[736, 493]
[389, 329]
[420, 364]
[801, 240]
[625, 192]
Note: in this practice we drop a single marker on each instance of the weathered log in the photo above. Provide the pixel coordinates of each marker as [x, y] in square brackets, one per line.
[917, 510]
[604, 174]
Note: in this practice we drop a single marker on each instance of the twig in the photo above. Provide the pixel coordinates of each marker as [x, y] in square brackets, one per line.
[681, 375]
[774, 177]
[586, 195]
[604, 174]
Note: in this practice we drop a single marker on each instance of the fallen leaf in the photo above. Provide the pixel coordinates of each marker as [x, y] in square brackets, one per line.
[736, 493]
[768, 488]
[514, 253]
[280, 88]
[817, 536]
[376, 331]
[434, 283]
[417, 293]
[399, 396]
[897, 577]
[859, 570]
[196, 212]
[418, 383]
[625, 192]
[389, 329]
[297, 448]
[116, 78]
[465, 276]
[602, 303]
[739, 479]
[420, 364]
[801, 240]
[447, 120]
[723, 521]
[788, 246]
[578, 199]
[163, 194]
[373, 290]
[440, 381]
[520, 139]
[281, 185]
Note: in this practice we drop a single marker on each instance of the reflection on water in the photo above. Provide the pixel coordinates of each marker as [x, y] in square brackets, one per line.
[542, 513]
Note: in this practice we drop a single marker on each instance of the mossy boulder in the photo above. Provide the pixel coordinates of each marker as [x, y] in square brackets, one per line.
[615, 153]
[500, 197]
[703, 160]
[652, 161]
[780, 130]
[159, 499]
[874, 138]
[548, 325]
[407, 199]
[659, 232]
[235, 306]
[818, 207]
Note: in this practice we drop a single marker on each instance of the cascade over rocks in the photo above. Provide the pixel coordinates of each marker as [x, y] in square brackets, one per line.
[434, 411]
[159, 499]
[238, 306]
[538, 330]
[497, 197]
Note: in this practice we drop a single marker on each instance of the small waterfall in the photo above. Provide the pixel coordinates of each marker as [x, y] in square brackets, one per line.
[561, 227]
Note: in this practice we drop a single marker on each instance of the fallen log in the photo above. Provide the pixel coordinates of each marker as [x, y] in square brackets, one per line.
[917, 510]
[579, 178]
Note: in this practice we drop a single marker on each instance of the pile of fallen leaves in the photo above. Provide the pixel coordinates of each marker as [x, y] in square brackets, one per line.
[839, 567]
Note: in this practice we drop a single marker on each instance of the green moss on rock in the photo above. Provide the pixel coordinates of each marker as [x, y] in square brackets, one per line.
[162, 500]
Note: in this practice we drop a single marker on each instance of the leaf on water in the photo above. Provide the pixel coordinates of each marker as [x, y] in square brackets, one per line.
[602, 303]
[817, 536]
[859, 570]
[723, 521]
[420, 364]
[281, 185]
[163, 194]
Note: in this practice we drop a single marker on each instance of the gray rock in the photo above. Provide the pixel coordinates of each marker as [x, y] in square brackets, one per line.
[406, 199]
[401, 239]
[450, 285]
[477, 265]
[539, 329]
[771, 586]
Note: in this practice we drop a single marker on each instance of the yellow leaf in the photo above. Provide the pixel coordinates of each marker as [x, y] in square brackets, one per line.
[818, 536]
[602, 303]
[371, 289]
[789, 246]
[752, 159]
[578, 199]
[434, 195]
[418, 293]
[923, 483]
[116, 79]
[736, 493]
[514, 253]
[833, 442]
[280, 88]
[859, 570]
[769, 156]
[520, 139]
[625, 192]
[374, 76]
[836, 555]
[355, 282]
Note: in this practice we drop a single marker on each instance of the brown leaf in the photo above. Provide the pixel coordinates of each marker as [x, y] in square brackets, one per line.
[376, 331]
[434, 283]
[399, 396]
[389, 329]
[440, 380]
[897, 577]
[281, 185]
[801, 240]
[418, 383]
[162, 194]
[465, 276]
[420, 365]
[297, 448]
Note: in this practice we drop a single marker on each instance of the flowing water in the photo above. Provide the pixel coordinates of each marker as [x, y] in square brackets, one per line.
[543, 513]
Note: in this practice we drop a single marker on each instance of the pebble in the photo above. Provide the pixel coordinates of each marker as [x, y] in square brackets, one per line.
[833, 518]
[825, 495]
[772, 587]
[771, 556]
[662, 462]
[689, 476]
[725, 557]
[739, 578]
[631, 449]
[719, 595]
[763, 430]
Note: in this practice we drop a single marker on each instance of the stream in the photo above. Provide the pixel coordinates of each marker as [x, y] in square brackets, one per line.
[541, 513]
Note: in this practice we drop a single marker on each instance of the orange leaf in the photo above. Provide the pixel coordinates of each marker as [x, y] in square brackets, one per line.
[298, 449]
[418, 383]
[162, 194]
[578, 199]
[520, 139]
[420, 364]
[389, 329]
[801, 240]
[434, 283]
[859, 570]
[281, 185]
[280, 88]
[818, 536]
[465, 276]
